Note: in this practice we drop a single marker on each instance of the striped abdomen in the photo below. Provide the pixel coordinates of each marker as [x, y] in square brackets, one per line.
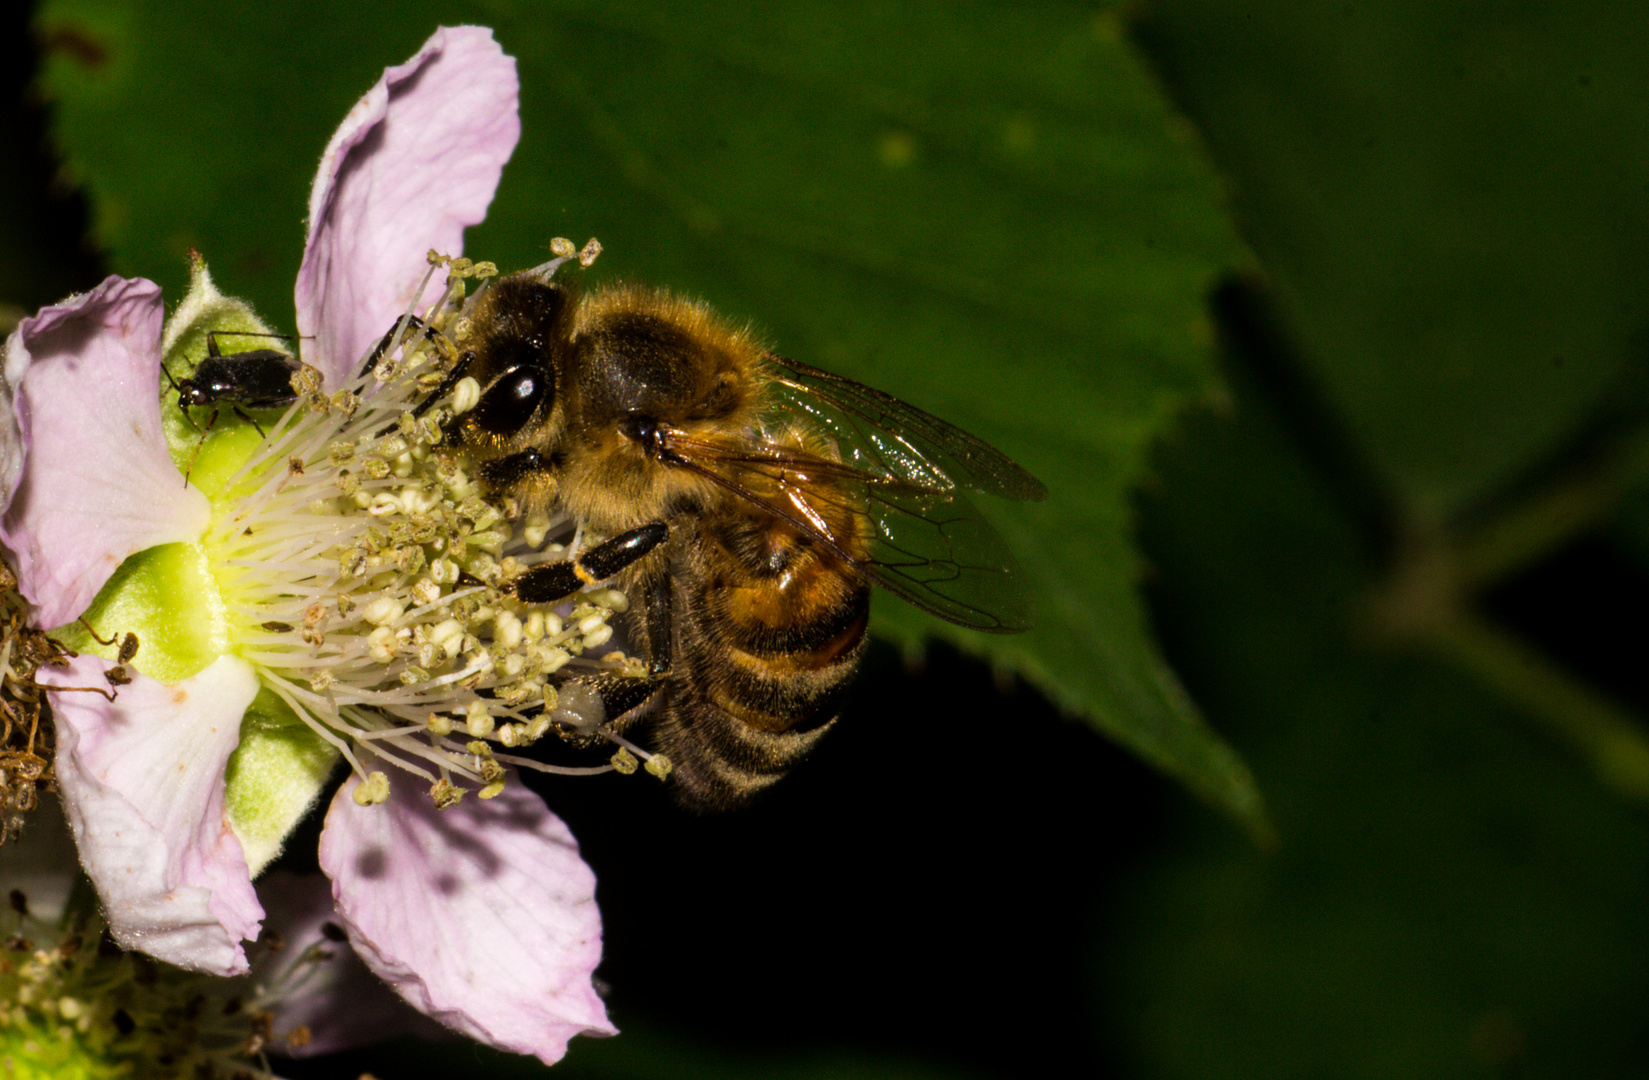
[769, 627]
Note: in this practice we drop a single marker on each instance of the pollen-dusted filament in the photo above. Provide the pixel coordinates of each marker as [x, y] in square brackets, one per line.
[362, 566]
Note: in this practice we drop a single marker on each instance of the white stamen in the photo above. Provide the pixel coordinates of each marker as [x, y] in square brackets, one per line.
[357, 620]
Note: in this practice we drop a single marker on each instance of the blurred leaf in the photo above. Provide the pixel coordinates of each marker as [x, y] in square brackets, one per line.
[166, 114]
[1449, 200]
[983, 208]
[655, 1054]
[42, 254]
[1631, 530]
[639, 1053]
[1451, 896]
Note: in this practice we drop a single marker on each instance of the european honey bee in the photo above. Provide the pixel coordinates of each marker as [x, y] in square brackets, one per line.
[750, 502]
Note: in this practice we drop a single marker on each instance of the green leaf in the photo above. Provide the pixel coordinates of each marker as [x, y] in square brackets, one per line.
[1451, 894]
[1005, 226]
[1449, 203]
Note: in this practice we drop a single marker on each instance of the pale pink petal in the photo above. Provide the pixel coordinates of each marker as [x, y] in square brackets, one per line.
[317, 982]
[483, 916]
[11, 439]
[142, 783]
[97, 484]
[415, 162]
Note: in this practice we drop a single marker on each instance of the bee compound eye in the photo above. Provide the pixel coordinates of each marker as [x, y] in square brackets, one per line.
[511, 401]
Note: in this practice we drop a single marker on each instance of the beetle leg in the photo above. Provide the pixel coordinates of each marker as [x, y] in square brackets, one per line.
[240, 413]
[200, 443]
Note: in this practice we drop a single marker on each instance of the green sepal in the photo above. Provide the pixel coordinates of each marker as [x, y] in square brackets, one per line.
[169, 597]
[274, 777]
[277, 772]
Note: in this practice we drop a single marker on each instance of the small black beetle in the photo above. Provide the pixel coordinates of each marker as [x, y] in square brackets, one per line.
[258, 379]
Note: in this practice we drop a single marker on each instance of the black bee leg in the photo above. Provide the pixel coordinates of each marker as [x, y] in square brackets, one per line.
[460, 364]
[608, 705]
[554, 581]
[597, 709]
[660, 628]
[508, 471]
[399, 332]
[450, 380]
[621, 696]
[399, 329]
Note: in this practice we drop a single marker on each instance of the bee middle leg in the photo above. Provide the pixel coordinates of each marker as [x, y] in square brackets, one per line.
[406, 328]
[557, 581]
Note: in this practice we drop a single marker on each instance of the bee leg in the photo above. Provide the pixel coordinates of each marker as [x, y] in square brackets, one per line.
[623, 699]
[596, 709]
[508, 471]
[660, 628]
[450, 380]
[621, 696]
[398, 332]
[554, 581]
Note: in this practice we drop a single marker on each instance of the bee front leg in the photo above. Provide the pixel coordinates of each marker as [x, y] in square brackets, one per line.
[399, 334]
[459, 369]
[557, 581]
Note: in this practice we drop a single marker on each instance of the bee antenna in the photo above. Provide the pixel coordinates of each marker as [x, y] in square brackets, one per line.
[166, 372]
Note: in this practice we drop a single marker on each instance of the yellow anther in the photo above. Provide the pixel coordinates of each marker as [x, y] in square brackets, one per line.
[445, 794]
[373, 790]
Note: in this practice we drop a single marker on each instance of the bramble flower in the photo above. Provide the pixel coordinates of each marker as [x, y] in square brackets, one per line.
[72, 1003]
[327, 590]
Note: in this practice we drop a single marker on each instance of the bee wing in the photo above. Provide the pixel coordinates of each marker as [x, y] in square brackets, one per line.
[926, 544]
[938, 553]
[884, 436]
